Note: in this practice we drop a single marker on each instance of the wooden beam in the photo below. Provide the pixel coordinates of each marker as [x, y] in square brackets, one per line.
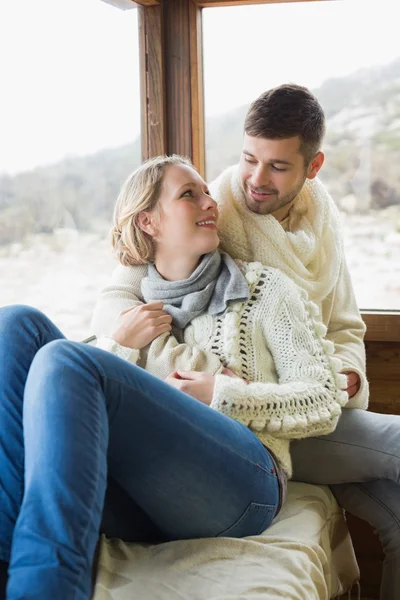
[152, 82]
[146, 2]
[215, 3]
[129, 4]
[382, 326]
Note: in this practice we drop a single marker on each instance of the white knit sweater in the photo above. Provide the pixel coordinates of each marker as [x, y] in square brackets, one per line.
[274, 341]
[308, 249]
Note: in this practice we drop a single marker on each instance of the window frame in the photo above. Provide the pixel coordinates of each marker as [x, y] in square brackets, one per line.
[172, 99]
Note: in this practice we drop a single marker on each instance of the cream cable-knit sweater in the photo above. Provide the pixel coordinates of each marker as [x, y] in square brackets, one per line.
[309, 252]
[274, 341]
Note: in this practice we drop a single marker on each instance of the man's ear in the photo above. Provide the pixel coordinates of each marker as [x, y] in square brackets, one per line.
[315, 165]
[145, 220]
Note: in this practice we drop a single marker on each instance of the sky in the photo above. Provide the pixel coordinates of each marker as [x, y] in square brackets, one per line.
[70, 69]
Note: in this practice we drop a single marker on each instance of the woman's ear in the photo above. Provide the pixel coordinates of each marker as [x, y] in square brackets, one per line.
[145, 220]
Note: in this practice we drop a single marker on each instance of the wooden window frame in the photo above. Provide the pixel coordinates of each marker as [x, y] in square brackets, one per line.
[172, 99]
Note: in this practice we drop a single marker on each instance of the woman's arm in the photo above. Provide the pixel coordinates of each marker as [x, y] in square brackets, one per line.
[307, 400]
[165, 353]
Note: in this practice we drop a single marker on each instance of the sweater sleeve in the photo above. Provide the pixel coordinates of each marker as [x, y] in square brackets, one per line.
[110, 345]
[122, 292]
[165, 354]
[308, 397]
[346, 330]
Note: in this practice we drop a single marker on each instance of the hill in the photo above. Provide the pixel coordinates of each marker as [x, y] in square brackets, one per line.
[362, 150]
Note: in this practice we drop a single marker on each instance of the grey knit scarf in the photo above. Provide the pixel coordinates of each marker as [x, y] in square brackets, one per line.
[215, 282]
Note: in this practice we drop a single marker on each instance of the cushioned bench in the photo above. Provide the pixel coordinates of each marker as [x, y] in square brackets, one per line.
[306, 554]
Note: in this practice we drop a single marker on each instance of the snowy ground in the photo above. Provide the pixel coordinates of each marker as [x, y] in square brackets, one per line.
[62, 273]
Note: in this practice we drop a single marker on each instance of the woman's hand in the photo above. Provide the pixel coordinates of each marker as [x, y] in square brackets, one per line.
[138, 326]
[197, 385]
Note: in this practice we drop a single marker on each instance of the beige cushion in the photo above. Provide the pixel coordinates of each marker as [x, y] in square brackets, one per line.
[306, 554]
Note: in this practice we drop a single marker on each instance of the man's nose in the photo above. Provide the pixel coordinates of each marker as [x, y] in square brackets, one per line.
[259, 177]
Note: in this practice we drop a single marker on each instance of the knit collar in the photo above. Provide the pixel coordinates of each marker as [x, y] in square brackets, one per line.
[310, 252]
[216, 282]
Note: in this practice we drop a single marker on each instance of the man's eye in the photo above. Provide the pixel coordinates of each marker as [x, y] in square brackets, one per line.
[278, 169]
[249, 160]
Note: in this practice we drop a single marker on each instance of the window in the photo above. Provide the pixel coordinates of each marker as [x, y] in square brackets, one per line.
[70, 125]
[347, 53]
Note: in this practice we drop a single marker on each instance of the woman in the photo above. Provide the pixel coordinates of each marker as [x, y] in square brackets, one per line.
[76, 420]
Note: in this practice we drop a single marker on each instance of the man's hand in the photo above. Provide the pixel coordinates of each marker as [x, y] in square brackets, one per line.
[138, 326]
[353, 383]
[197, 385]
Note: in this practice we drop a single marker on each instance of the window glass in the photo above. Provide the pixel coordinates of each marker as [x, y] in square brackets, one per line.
[70, 126]
[347, 53]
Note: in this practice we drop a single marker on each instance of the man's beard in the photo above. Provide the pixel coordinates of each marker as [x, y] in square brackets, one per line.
[267, 207]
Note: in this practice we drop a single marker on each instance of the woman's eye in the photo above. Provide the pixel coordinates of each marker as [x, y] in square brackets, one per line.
[187, 193]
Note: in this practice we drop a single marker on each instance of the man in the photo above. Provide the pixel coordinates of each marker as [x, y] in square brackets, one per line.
[273, 209]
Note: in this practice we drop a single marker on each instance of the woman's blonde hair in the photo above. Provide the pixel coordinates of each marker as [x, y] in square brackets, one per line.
[140, 192]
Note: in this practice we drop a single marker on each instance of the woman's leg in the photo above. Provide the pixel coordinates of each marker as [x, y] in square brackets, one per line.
[23, 331]
[192, 471]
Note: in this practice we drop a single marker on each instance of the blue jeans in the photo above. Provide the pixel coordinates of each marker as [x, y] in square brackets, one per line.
[76, 421]
[360, 460]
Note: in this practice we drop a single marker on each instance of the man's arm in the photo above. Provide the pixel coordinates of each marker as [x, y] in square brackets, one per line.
[346, 330]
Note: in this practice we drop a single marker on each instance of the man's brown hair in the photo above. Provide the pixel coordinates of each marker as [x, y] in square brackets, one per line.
[287, 111]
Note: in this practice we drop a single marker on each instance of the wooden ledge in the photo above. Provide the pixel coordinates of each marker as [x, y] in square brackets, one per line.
[382, 326]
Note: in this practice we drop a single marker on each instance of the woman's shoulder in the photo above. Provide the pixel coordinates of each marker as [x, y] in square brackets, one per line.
[256, 271]
[128, 275]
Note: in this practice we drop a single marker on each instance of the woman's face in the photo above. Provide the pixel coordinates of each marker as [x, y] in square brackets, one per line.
[186, 215]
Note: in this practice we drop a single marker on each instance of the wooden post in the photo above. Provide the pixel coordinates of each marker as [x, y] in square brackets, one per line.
[172, 80]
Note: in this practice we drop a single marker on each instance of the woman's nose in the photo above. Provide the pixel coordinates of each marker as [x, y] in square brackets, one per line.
[208, 202]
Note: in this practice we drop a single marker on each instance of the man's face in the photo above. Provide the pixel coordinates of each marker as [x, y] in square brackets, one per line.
[272, 174]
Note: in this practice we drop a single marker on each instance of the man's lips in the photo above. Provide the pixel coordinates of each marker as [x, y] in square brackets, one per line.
[261, 195]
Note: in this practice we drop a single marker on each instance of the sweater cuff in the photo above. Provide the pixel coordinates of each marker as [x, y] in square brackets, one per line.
[110, 345]
[228, 392]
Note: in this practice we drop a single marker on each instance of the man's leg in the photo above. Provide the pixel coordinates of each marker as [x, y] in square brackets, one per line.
[378, 502]
[360, 460]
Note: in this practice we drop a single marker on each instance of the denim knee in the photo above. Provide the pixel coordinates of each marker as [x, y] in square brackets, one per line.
[64, 364]
[55, 355]
[16, 314]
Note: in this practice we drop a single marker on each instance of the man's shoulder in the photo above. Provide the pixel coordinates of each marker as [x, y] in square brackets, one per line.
[223, 182]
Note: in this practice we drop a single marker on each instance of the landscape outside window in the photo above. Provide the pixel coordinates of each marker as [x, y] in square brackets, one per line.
[70, 126]
[347, 53]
